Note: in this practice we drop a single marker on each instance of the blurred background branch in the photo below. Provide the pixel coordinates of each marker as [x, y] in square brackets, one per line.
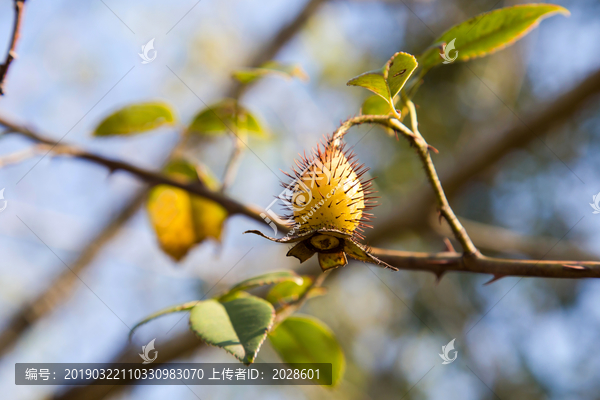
[12, 48]
[504, 241]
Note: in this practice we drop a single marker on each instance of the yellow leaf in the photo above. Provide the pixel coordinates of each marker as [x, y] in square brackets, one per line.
[170, 213]
[181, 220]
[208, 218]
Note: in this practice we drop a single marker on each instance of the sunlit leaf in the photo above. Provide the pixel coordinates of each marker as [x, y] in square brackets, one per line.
[226, 116]
[181, 169]
[397, 71]
[238, 326]
[233, 295]
[387, 82]
[268, 279]
[304, 339]
[136, 118]
[489, 32]
[248, 75]
[373, 81]
[286, 292]
[375, 105]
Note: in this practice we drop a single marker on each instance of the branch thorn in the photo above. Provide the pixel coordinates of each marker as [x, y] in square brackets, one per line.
[578, 267]
[438, 276]
[449, 246]
[494, 279]
[430, 147]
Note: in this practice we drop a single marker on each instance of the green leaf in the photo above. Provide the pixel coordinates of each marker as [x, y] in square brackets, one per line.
[388, 81]
[373, 81]
[304, 339]
[238, 326]
[181, 168]
[136, 118]
[489, 32]
[225, 116]
[169, 310]
[267, 279]
[284, 292]
[397, 71]
[375, 105]
[233, 295]
[247, 75]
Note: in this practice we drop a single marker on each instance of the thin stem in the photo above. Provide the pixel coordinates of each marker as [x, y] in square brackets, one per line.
[232, 164]
[414, 124]
[294, 306]
[12, 53]
[423, 151]
[20, 156]
[338, 135]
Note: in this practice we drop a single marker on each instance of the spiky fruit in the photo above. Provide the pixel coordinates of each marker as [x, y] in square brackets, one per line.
[328, 202]
[328, 192]
[331, 195]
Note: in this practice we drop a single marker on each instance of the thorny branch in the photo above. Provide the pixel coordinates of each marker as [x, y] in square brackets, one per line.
[12, 54]
[438, 263]
[481, 153]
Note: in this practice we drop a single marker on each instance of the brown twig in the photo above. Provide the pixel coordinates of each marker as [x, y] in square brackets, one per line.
[20, 156]
[294, 306]
[12, 53]
[440, 263]
[423, 151]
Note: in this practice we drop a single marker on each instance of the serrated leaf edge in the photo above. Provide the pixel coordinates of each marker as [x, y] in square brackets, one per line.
[242, 360]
